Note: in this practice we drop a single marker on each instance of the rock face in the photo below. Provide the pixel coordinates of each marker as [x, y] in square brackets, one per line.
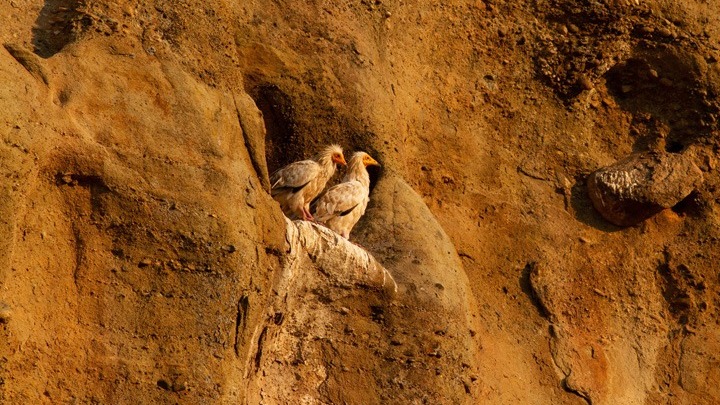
[324, 320]
[638, 187]
[143, 261]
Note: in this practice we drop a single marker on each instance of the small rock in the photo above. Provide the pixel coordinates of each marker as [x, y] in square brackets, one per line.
[639, 186]
[665, 32]
[66, 178]
[179, 386]
[344, 310]
[585, 83]
[653, 73]
[5, 313]
[145, 262]
[666, 82]
[647, 30]
[626, 88]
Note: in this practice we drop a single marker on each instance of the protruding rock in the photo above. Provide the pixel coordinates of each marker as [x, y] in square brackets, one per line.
[642, 185]
[5, 313]
[331, 252]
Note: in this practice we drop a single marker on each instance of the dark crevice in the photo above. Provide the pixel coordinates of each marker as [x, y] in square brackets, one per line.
[282, 145]
[243, 306]
[82, 180]
[260, 343]
[576, 392]
[527, 287]
[254, 148]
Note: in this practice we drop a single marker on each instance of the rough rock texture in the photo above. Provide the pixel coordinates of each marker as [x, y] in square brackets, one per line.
[141, 257]
[639, 186]
[303, 324]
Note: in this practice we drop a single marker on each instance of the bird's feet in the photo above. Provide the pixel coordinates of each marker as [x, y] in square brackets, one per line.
[307, 216]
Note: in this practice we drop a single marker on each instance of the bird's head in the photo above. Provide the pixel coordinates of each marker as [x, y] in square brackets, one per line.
[369, 161]
[338, 158]
[335, 153]
[362, 159]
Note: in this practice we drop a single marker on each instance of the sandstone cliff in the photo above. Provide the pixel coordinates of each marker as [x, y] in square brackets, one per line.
[142, 259]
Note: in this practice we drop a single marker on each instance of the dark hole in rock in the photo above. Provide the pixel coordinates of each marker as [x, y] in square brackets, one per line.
[59, 23]
[662, 89]
[163, 384]
[282, 145]
[674, 147]
[285, 143]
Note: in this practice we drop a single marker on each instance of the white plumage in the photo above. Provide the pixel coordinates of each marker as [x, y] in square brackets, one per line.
[341, 207]
[297, 184]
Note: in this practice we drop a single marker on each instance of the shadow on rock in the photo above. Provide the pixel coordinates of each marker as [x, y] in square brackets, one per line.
[58, 24]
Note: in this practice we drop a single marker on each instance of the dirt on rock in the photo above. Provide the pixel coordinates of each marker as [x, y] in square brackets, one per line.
[142, 259]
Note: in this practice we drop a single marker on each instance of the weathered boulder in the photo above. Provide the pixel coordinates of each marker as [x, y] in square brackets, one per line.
[639, 186]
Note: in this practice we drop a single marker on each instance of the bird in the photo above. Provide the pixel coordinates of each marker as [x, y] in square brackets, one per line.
[296, 185]
[341, 207]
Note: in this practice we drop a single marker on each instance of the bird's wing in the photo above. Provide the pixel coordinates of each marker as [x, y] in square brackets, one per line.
[341, 199]
[295, 175]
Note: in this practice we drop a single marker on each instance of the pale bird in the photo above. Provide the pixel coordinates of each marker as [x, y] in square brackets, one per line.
[341, 207]
[297, 184]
